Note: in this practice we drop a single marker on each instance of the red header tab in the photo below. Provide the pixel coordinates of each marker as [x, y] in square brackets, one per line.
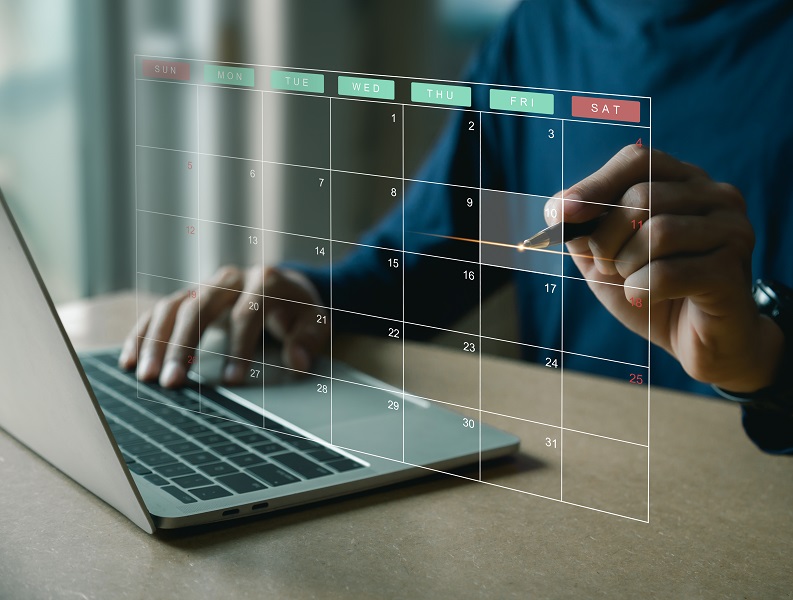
[162, 69]
[608, 109]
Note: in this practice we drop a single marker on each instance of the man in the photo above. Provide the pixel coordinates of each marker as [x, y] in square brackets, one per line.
[718, 76]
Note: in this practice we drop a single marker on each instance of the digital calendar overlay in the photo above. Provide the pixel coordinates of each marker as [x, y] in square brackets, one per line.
[260, 165]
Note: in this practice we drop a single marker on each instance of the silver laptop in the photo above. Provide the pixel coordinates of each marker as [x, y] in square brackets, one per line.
[176, 458]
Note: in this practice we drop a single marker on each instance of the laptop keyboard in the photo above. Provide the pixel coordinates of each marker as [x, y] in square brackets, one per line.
[190, 450]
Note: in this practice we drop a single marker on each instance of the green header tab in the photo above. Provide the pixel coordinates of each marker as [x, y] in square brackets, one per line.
[447, 95]
[298, 82]
[366, 88]
[527, 102]
[228, 75]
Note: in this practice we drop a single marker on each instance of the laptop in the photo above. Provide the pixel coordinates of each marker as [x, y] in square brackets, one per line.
[176, 458]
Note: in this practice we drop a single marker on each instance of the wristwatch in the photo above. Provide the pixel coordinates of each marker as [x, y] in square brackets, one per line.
[776, 301]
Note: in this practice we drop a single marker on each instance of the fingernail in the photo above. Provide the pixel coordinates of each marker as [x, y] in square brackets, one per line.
[145, 368]
[172, 374]
[123, 359]
[233, 373]
[573, 206]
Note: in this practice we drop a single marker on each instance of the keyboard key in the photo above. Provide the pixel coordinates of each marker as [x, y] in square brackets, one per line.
[156, 479]
[138, 469]
[127, 438]
[228, 449]
[177, 418]
[235, 428]
[191, 481]
[324, 455]
[210, 493]
[268, 448]
[272, 475]
[246, 460]
[210, 439]
[200, 458]
[344, 464]
[151, 428]
[107, 358]
[193, 428]
[167, 437]
[174, 470]
[216, 469]
[302, 443]
[157, 459]
[241, 483]
[301, 465]
[183, 497]
[127, 459]
[183, 447]
[252, 438]
[140, 449]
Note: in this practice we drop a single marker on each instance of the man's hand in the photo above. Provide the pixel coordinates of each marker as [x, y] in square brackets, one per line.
[290, 303]
[693, 252]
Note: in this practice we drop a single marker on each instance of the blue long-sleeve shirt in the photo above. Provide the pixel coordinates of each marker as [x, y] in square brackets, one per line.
[720, 78]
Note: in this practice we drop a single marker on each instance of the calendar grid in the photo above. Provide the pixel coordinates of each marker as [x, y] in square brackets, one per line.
[566, 282]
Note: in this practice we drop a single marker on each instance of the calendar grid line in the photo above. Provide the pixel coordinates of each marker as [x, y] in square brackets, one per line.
[381, 176]
[405, 395]
[445, 264]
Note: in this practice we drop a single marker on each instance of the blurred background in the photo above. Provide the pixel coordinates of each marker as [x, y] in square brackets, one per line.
[67, 97]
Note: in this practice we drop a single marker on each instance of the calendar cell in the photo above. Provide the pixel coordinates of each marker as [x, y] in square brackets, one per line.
[352, 218]
[457, 235]
[589, 146]
[166, 115]
[168, 246]
[464, 347]
[507, 220]
[167, 181]
[357, 125]
[606, 475]
[538, 468]
[540, 396]
[427, 293]
[621, 414]
[231, 191]
[532, 143]
[221, 129]
[422, 127]
[309, 146]
[221, 245]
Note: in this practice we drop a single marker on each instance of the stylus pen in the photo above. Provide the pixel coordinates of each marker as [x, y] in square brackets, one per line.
[550, 236]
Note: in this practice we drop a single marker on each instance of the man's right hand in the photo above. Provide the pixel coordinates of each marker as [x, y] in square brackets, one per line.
[166, 336]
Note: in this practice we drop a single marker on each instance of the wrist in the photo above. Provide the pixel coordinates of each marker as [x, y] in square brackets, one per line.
[764, 355]
[768, 388]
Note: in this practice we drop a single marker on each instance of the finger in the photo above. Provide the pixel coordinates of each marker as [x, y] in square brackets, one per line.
[666, 235]
[305, 339]
[708, 280]
[153, 345]
[294, 316]
[605, 187]
[129, 350]
[192, 318]
[286, 294]
[246, 327]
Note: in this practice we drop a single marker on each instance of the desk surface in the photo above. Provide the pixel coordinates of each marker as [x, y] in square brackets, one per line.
[721, 521]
